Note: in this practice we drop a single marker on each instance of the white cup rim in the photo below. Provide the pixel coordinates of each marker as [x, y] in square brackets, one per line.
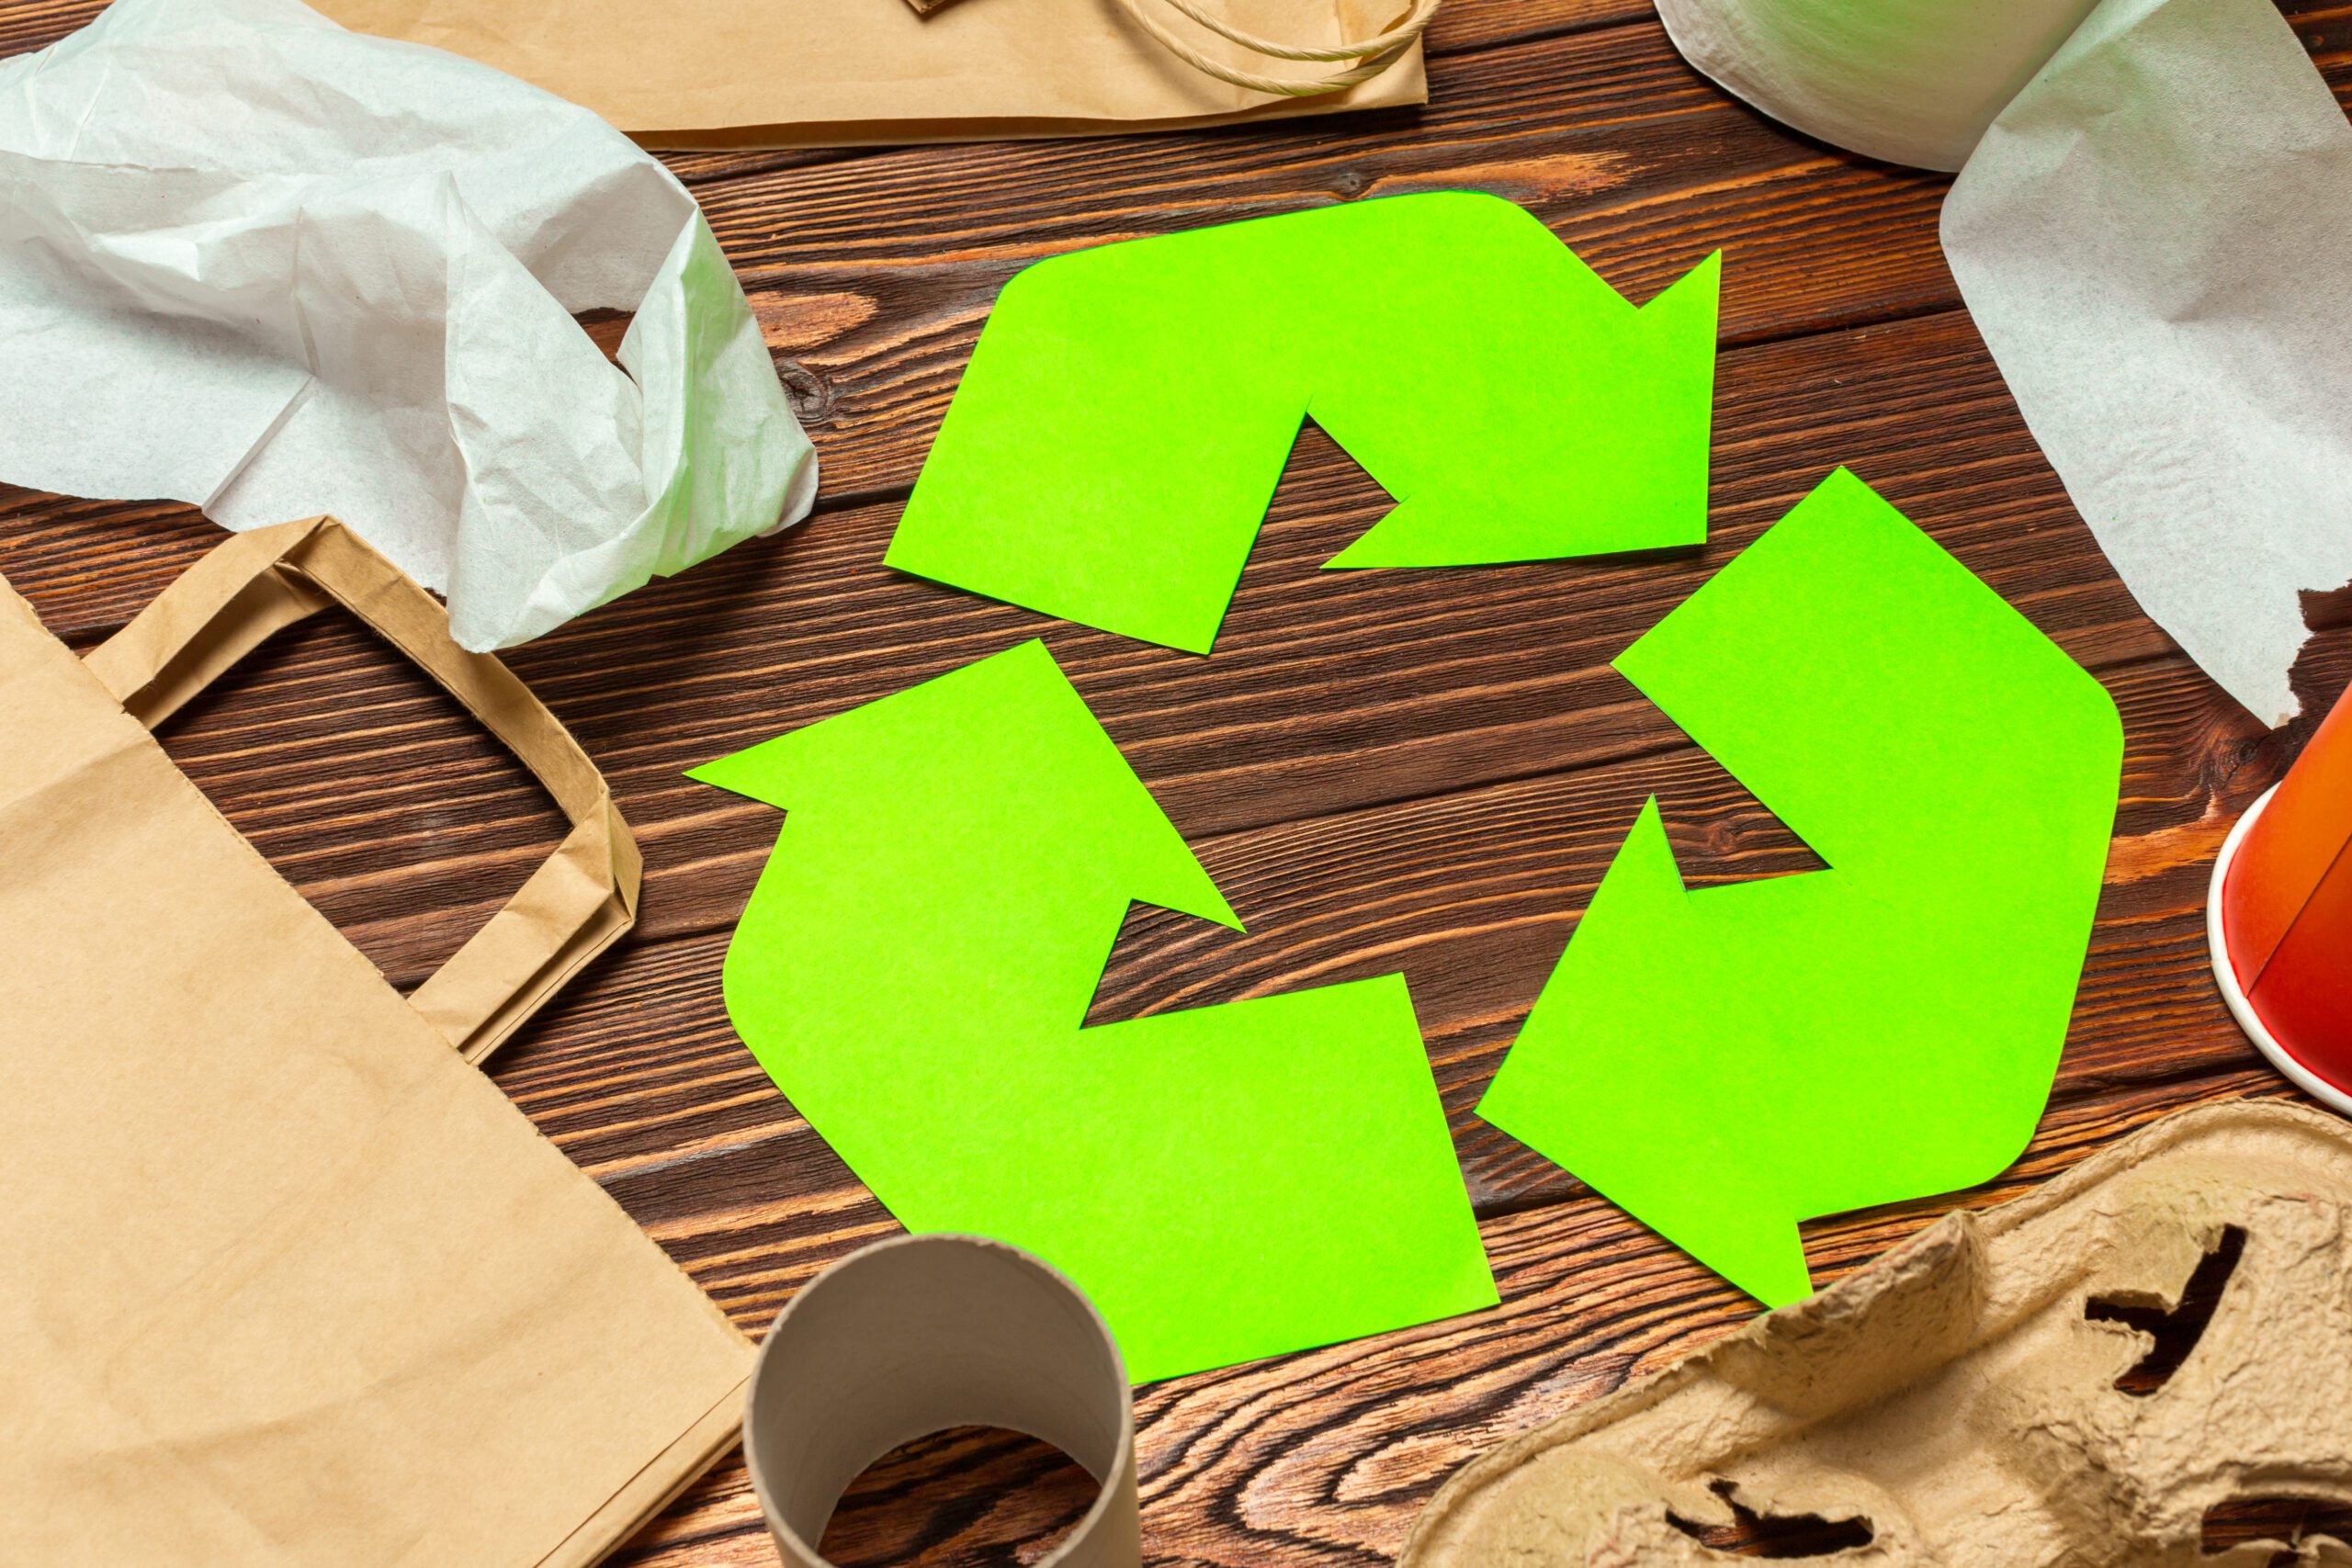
[2241, 1006]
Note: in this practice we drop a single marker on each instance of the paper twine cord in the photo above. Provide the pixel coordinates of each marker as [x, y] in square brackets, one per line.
[1372, 55]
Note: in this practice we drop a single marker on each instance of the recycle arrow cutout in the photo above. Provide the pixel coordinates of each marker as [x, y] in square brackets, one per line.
[1111, 451]
[915, 965]
[914, 969]
[1726, 1061]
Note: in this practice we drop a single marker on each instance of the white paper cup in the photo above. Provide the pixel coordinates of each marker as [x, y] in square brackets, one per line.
[1909, 81]
[2241, 1006]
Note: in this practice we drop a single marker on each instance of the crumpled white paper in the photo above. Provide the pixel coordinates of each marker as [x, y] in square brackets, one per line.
[2156, 239]
[256, 262]
[2154, 236]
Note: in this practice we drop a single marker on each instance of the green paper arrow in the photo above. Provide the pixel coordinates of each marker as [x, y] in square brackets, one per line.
[1111, 449]
[913, 971]
[1727, 1061]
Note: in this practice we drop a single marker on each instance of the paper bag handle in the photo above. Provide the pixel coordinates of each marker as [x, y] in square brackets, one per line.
[257, 583]
[1362, 60]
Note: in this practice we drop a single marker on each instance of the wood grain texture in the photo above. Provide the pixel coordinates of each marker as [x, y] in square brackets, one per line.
[1424, 772]
[1324, 1458]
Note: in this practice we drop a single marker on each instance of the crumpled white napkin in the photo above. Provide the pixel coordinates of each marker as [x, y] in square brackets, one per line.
[2152, 229]
[2156, 239]
[256, 262]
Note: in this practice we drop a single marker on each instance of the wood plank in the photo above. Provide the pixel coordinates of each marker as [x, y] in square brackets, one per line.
[968, 1486]
[873, 276]
[1626, 152]
[1463, 27]
[1468, 25]
[260, 759]
[1486, 898]
[1331, 693]
[1471, 894]
[1417, 770]
[1324, 1458]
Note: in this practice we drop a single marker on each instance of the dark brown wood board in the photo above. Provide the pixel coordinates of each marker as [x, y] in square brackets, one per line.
[1424, 770]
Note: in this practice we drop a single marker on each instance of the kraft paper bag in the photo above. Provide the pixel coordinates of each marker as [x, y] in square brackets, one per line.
[284, 1278]
[849, 73]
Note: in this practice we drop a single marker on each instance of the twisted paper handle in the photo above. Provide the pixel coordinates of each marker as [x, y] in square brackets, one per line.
[1372, 56]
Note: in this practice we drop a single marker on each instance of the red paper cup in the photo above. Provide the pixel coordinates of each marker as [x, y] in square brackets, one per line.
[2279, 916]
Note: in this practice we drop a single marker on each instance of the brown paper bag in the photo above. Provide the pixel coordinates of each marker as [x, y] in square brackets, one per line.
[847, 72]
[283, 1278]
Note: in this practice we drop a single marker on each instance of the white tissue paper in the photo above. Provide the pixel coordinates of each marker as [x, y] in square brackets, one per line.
[255, 262]
[2156, 239]
[2152, 229]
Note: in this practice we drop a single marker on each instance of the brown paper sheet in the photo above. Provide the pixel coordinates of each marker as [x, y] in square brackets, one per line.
[283, 1278]
[1959, 1397]
[850, 72]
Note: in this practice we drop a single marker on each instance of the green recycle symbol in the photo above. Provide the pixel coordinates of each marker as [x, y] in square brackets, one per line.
[915, 965]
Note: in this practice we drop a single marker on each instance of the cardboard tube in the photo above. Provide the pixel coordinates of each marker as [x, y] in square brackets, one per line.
[919, 1333]
[1909, 81]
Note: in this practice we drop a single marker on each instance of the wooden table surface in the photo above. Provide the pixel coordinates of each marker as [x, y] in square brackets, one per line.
[1424, 770]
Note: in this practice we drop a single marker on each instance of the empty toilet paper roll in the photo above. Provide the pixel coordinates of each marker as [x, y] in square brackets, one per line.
[255, 263]
[2152, 227]
[919, 1333]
